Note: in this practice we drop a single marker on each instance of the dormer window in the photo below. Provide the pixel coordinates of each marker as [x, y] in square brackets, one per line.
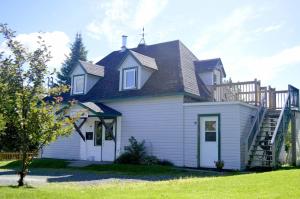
[130, 78]
[78, 84]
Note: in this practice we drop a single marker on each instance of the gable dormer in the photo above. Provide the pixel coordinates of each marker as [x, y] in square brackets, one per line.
[134, 70]
[84, 76]
[211, 71]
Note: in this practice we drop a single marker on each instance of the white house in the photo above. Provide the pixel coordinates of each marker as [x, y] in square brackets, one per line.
[180, 105]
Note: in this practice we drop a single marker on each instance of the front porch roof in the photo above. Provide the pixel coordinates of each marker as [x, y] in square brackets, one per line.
[100, 109]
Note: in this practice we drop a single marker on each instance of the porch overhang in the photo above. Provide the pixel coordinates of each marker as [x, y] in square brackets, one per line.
[99, 109]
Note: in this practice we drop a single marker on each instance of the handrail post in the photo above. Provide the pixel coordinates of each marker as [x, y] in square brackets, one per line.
[255, 91]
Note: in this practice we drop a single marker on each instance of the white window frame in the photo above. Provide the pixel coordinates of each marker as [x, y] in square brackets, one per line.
[125, 71]
[74, 84]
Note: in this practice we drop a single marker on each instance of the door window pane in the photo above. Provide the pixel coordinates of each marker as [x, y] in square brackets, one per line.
[98, 133]
[210, 125]
[109, 131]
[210, 136]
[210, 131]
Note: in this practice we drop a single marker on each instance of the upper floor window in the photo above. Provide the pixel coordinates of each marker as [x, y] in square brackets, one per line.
[78, 84]
[215, 79]
[130, 78]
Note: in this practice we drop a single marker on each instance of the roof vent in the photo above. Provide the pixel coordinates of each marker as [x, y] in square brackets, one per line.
[124, 43]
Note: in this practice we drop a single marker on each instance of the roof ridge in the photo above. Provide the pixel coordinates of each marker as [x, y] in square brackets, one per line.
[203, 60]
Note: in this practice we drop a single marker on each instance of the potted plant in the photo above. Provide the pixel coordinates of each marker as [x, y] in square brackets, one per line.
[219, 165]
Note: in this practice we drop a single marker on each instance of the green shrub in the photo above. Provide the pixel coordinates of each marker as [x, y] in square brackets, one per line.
[135, 153]
[165, 163]
[150, 160]
[219, 164]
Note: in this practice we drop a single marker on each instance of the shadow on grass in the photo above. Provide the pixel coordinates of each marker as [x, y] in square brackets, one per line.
[26, 186]
[37, 163]
[53, 171]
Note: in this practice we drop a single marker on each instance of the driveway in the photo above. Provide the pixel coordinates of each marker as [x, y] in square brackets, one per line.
[44, 176]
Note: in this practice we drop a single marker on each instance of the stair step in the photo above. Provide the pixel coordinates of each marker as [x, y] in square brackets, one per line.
[261, 150]
[270, 136]
[261, 160]
[268, 126]
[258, 155]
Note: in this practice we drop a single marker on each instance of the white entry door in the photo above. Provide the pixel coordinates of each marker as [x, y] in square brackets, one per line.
[108, 144]
[209, 127]
[93, 142]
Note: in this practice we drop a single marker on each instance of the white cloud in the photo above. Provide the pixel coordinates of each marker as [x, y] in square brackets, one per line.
[122, 17]
[58, 42]
[267, 68]
[233, 24]
[147, 10]
[270, 28]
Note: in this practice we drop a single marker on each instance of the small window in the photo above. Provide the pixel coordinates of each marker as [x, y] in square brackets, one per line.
[129, 78]
[78, 84]
[98, 134]
[215, 79]
[210, 131]
[89, 135]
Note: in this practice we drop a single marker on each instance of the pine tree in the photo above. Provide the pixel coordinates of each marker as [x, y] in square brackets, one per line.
[77, 53]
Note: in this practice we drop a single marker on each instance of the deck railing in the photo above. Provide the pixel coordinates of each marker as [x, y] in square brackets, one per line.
[250, 92]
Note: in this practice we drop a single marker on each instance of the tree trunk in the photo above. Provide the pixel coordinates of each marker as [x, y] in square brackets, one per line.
[21, 179]
[24, 169]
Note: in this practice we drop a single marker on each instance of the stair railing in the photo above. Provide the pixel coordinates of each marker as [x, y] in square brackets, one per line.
[255, 127]
[292, 100]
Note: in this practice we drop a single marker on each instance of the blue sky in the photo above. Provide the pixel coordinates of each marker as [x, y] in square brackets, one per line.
[255, 39]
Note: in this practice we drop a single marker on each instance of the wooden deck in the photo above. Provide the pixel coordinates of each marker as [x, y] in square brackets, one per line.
[250, 92]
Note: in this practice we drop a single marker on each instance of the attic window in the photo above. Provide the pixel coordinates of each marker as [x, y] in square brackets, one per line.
[129, 78]
[78, 84]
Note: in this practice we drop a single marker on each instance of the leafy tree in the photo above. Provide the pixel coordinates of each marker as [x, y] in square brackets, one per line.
[23, 108]
[77, 53]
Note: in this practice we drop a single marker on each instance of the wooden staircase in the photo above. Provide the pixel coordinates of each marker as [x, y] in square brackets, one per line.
[261, 152]
[266, 136]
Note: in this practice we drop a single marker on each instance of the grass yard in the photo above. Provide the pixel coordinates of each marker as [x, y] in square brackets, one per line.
[275, 184]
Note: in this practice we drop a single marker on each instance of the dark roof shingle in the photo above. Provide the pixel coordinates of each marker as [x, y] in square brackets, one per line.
[175, 73]
[144, 60]
[209, 64]
[92, 69]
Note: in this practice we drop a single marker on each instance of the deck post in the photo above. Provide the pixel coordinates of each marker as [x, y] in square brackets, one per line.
[256, 91]
[294, 138]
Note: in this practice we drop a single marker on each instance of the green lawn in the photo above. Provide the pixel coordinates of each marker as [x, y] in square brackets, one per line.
[275, 184]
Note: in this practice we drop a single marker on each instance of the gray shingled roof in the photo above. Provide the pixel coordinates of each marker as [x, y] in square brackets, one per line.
[209, 64]
[92, 69]
[144, 60]
[175, 74]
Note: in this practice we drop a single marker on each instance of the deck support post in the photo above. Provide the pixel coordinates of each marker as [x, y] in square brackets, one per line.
[294, 139]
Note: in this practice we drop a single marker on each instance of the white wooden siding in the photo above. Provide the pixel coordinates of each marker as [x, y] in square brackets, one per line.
[230, 131]
[245, 124]
[64, 148]
[158, 121]
[91, 80]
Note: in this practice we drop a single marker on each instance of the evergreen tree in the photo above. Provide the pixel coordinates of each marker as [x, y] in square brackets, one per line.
[77, 53]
